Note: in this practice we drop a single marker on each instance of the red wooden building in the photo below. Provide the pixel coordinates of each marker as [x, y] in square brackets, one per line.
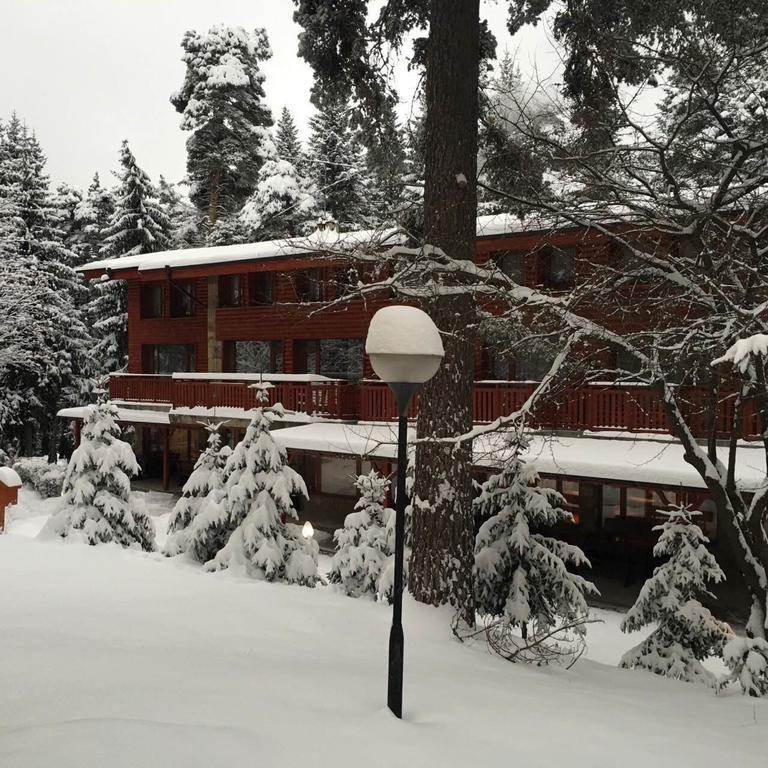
[205, 324]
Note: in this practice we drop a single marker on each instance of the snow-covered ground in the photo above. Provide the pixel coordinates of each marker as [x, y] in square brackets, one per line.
[116, 658]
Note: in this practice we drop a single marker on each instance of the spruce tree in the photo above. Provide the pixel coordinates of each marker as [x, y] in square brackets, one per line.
[520, 573]
[37, 255]
[97, 488]
[204, 484]
[92, 217]
[182, 215]
[685, 632]
[337, 166]
[385, 160]
[287, 142]
[282, 205]
[250, 528]
[137, 225]
[747, 661]
[366, 542]
[222, 106]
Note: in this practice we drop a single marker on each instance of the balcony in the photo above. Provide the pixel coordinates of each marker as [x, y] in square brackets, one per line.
[595, 407]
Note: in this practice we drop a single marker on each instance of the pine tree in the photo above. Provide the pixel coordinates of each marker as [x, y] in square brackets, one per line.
[366, 542]
[337, 167]
[521, 574]
[249, 528]
[686, 632]
[97, 487]
[222, 105]
[205, 483]
[137, 225]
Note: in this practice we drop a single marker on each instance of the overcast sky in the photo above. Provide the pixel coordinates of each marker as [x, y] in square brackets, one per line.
[86, 74]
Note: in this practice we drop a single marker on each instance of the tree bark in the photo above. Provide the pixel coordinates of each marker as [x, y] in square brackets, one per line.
[442, 526]
[214, 194]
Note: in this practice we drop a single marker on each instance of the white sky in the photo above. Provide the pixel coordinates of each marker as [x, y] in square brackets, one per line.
[85, 74]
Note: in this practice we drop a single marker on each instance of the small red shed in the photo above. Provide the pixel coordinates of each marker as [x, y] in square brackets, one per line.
[10, 483]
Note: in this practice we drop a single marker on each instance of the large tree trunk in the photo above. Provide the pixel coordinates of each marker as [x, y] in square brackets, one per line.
[214, 195]
[443, 531]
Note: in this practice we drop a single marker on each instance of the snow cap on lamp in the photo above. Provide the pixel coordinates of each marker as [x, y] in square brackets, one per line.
[404, 345]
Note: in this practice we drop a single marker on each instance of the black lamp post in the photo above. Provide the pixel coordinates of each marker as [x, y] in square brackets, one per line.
[405, 349]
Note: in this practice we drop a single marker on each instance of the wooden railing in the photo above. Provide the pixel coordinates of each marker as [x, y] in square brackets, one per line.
[592, 407]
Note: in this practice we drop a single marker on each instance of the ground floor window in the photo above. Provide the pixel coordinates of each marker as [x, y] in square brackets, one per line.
[169, 358]
[256, 356]
[337, 476]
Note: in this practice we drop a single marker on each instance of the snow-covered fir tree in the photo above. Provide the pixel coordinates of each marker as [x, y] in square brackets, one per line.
[287, 142]
[92, 217]
[337, 166]
[251, 528]
[206, 483]
[222, 106]
[97, 487]
[685, 631]
[182, 215]
[36, 255]
[138, 225]
[367, 540]
[747, 661]
[385, 160]
[521, 575]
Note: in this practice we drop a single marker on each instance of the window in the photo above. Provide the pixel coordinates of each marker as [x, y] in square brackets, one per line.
[560, 268]
[182, 299]
[626, 362]
[532, 366]
[257, 356]
[308, 285]
[169, 358]
[512, 264]
[231, 291]
[305, 356]
[500, 367]
[611, 502]
[152, 300]
[337, 476]
[260, 287]
[341, 358]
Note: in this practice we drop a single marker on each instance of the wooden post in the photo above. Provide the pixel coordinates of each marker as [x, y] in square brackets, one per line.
[166, 473]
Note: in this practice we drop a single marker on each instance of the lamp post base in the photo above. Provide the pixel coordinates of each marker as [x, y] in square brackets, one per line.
[395, 687]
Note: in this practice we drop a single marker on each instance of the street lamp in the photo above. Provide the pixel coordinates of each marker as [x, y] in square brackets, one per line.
[405, 350]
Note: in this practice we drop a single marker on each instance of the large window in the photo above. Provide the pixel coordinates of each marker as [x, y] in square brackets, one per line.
[169, 358]
[337, 476]
[560, 268]
[182, 298]
[309, 285]
[152, 300]
[533, 365]
[341, 358]
[512, 264]
[257, 356]
[260, 287]
[231, 291]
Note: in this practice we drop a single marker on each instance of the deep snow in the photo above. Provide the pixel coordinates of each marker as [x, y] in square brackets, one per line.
[119, 658]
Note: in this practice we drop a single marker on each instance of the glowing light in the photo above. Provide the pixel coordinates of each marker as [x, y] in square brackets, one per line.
[307, 531]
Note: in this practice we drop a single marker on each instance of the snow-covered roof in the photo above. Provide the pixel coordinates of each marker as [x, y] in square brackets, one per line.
[630, 459]
[296, 378]
[132, 415]
[319, 240]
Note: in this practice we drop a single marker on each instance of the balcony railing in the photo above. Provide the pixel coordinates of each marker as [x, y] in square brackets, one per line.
[592, 407]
